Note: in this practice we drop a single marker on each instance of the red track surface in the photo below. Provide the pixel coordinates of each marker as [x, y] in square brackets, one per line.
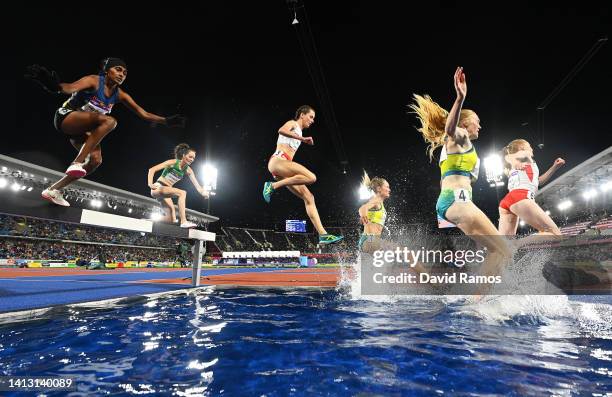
[312, 277]
[279, 278]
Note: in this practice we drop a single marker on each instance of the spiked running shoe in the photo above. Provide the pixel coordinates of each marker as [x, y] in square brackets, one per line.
[329, 238]
[76, 170]
[267, 191]
[55, 196]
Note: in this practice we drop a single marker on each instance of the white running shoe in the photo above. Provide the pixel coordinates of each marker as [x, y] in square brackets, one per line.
[188, 225]
[55, 196]
[76, 170]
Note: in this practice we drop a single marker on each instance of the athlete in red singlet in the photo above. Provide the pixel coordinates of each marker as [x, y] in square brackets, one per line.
[523, 181]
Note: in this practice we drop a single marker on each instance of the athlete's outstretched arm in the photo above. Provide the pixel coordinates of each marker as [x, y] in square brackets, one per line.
[548, 174]
[155, 169]
[83, 83]
[195, 182]
[363, 210]
[453, 116]
[172, 121]
[50, 81]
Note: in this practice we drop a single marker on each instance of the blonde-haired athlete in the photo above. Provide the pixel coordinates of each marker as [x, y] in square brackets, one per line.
[373, 216]
[373, 213]
[454, 131]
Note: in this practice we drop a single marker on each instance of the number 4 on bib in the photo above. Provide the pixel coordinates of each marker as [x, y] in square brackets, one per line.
[462, 195]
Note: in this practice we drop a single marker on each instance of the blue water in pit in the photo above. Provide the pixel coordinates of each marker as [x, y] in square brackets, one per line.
[246, 342]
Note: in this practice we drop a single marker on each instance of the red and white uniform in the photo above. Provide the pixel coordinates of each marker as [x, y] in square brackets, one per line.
[522, 185]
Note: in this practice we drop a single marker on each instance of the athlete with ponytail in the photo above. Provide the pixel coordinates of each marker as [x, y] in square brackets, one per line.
[523, 181]
[292, 175]
[373, 214]
[173, 171]
[84, 118]
[454, 132]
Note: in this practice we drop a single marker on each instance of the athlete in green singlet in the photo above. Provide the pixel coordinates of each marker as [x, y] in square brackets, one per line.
[373, 214]
[173, 171]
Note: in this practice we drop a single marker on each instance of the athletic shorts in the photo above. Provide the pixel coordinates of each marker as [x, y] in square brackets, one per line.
[365, 238]
[514, 196]
[282, 155]
[448, 196]
[60, 115]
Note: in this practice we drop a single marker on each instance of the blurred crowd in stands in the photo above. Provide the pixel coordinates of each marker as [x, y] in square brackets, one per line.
[244, 239]
[37, 239]
[597, 227]
[62, 251]
[32, 227]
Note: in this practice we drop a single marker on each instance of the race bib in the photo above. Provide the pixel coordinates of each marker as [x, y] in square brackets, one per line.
[462, 195]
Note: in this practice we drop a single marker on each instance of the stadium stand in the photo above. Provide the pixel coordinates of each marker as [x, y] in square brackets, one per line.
[604, 226]
[575, 229]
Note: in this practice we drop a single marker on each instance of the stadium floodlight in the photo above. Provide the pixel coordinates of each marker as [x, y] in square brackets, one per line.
[364, 193]
[564, 205]
[606, 186]
[30, 189]
[547, 212]
[3, 183]
[494, 170]
[209, 182]
[209, 177]
[15, 186]
[522, 223]
[589, 194]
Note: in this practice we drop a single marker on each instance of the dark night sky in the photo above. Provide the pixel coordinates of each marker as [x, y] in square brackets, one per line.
[237, 71]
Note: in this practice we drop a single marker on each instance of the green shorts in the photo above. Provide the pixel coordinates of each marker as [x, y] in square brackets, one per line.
[448, 196]
[365, 238]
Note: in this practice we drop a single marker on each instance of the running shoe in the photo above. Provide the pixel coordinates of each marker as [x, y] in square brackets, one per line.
[55, 196]
[76, 170]
[267, 191]
[329, 238]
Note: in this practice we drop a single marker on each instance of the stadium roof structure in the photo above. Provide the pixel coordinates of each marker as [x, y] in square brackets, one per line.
[33, 178]
[593, 175]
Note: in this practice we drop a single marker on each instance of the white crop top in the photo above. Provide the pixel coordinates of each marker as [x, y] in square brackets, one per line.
[294, 143]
